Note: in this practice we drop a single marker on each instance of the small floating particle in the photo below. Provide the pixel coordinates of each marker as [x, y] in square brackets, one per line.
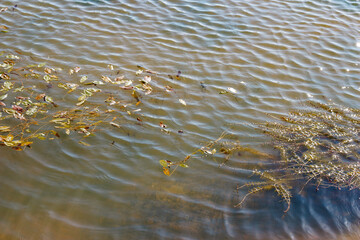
[309, 95]
[232, 90]
[182, 102]
[358, 44]
[242, 82]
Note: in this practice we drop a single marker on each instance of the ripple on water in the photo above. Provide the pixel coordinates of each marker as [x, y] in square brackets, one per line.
[275, 54]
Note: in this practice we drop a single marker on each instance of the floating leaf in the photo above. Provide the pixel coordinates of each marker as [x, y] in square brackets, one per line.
[111, 67]
[166, 171]
[182, 102]
[41, 65]
[135, 94]
[3, 97]
[83, 79]
[146, 79]
[84, 143]
[114, 124]
[11, 56]
[4, 129]
[163, 163]
[183, 165]
[72, 87]
[49, 99]
[40, 136]
[40, 96]
[27, 143]
[31, 111]
[118, 79]
[47, 70]
[169, 88]
[56, 120]
[4, 75]
[106, 79]
[19, 89]
[223, 92]
[17, 108]
[80, 103]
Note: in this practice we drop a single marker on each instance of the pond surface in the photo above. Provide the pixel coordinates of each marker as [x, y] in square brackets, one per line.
[276, 55]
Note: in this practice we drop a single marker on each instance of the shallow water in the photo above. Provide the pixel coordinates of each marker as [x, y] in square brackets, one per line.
[276, 54]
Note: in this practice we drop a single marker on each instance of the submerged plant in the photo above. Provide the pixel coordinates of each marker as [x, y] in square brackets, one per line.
[320, 146]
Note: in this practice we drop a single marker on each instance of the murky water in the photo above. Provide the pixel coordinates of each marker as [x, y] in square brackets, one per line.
[275, 54]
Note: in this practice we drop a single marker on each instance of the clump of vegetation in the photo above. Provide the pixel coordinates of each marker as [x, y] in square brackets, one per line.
[30, 109]
[318, 146]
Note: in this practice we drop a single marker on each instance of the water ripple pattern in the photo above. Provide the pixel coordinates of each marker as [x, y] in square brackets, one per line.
[275, 54]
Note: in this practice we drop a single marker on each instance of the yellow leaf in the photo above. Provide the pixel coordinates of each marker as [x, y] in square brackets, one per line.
[84, 143]
[166, 171]
[4, 129]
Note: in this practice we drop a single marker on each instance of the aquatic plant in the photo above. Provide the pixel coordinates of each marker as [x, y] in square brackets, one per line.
[30, 110]
[319, 146]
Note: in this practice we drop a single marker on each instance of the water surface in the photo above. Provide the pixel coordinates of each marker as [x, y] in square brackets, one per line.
[276, 54]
